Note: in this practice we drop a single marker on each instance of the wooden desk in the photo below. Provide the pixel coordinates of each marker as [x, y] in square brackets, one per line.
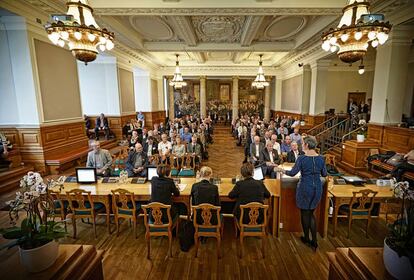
[357, 263]
[73, 262]
[101, 192]
[342, 194]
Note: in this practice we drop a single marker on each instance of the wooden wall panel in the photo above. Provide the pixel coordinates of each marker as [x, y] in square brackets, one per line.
[354, 154]
[153, 117]
[115, 123]
[310, 121]
[31, 149]
[375, 133]
[393, 138]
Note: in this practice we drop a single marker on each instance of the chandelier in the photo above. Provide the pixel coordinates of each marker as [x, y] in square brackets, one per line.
[260, 81]
[79, 31]
[356, 31]
[177, 82]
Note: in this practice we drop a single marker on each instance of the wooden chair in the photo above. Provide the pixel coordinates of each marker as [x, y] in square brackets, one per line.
[154, 160]
[359, 208]
[253, 227]
[207, 229]
[61, 207]
[125, 207]
[175, 164]
[154, 225]
[82, 206]
[188, 166]
[119, 161]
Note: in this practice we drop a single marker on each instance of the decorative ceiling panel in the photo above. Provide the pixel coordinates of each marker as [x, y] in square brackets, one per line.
[218, 29]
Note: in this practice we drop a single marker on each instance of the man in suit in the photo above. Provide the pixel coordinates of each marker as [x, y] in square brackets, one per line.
[100, 159]
[101, 123]
[270, 159]
[205, 192]
[150, 148]
[294, 153]
[136, 162]
[255, 149]
[194, 148]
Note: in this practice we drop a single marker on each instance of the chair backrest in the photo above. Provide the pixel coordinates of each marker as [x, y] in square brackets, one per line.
[254, 210]
[156, 210]
[330, 159]
[189, 161]
[363, 201]
[174, 162]
[57, 199]
[78, 199]
[123, 201]
[154, 159]
[207, 212]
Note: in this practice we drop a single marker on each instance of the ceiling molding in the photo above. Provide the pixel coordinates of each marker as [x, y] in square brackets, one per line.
[250, 29]
[277, 21]
[218, 28]
[184, 29]
[235, 47]
[238, 57]
[199, 57]
[217, 11]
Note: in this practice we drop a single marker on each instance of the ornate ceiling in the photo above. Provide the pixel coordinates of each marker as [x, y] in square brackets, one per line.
[216, 33]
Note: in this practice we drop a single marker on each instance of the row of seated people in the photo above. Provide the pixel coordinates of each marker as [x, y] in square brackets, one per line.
[101, 125]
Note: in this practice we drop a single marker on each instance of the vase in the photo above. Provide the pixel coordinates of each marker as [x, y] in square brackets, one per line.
[40, 258]
[360, 138]
[398, 267]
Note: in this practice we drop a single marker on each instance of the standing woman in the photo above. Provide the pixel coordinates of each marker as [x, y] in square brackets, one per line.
[311, 166]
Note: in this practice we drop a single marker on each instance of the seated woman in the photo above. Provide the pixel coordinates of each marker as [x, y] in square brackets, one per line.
[162, 190]
[248, 190]
[178, 150]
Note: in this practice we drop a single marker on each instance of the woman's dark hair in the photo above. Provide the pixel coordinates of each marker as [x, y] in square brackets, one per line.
[163, 170]
[311, 142]
[247, 170]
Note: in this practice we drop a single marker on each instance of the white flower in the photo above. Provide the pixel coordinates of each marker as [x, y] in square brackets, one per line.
[362, 122]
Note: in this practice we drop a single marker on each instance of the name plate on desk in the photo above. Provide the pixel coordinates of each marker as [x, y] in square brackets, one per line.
[110, 180]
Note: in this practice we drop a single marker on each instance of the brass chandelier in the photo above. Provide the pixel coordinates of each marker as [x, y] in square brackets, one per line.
[177, 82]
[356, 30]
[79, 31]
[260, 81]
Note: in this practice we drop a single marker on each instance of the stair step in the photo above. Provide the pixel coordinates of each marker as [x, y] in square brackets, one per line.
[10, 179]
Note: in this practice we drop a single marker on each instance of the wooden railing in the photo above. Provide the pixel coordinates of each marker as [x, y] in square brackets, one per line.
[323, 126]
[332, 136]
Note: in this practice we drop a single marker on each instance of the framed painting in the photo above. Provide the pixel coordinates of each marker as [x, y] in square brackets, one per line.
[225, 92]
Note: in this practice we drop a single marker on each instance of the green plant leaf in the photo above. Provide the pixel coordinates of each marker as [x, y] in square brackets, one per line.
[12, 233]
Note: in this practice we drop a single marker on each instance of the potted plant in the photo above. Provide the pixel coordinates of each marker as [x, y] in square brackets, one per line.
[399, 244]
[362, 132]
[38, 231]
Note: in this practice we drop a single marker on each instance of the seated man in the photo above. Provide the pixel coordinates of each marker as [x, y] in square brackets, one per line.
[101, 124]
[141, 118]
[255, 149]
[134, 139]
[296, 137]
[294, 153]
[282, 131]
[186, 136]
[150, 149]
[270, 159]
[205, 192]
[276, 144]
[194, 148]
[5, 146]
[100, 159]
[285, 147]
[136, 162]
[164, 148]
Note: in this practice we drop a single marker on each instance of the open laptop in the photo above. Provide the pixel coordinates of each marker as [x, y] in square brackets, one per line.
[151, 172]
[258, 173]
[86, 175]
[354, 180]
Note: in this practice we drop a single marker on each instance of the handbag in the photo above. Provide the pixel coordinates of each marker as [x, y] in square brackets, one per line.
[396, 159]
[186, 232]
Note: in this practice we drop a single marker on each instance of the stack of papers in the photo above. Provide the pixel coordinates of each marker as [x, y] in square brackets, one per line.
[182, 187]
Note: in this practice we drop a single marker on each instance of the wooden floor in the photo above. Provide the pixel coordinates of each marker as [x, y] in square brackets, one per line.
[287, 257]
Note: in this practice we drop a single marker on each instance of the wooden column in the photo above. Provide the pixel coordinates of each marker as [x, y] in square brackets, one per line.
[203, 97]
[171, 113]
[235, 95]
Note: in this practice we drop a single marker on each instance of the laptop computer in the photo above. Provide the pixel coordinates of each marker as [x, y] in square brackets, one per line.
[151, 172]
[354, 180]
[86, 175]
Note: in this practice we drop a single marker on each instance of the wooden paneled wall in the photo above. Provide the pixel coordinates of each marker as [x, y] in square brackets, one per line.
[310, 121]
[153, 117]
[39, 144]
[393, 138]
[115, 123]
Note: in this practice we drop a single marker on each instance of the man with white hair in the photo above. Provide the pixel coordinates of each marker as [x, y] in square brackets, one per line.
[255, 149]
[270, 159]
[136, 162]
[100, 159]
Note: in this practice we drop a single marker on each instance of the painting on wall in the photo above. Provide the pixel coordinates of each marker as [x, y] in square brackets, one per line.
[225, 92]
[196, 90]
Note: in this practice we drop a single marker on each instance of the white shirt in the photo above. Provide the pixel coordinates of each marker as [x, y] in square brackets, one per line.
[164, 147]
[271, 157]
[257, 150]
[296, 154]
[149, 152]
[276, 146]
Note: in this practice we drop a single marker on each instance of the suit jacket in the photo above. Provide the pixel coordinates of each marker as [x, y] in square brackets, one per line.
[162, 190]
[105, 157]
[196, 150]
[154, 149]
[265, 156]
[253, 149]
[130, 163]
[291, 156]
[98, 122]
[205, 192]
[246, 191]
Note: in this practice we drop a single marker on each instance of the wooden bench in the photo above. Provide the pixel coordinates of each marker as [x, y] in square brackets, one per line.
[59, 163]
[387, 167]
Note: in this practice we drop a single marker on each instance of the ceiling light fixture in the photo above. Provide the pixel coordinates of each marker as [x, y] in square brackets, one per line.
[79, 30]
[355, 31]
[177, 82]
[260, 81]
[361, 68]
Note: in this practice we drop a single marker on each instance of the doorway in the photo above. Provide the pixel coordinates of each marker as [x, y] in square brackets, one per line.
[357, 97]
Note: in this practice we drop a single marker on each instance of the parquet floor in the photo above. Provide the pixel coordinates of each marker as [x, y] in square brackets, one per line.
[287, 257]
